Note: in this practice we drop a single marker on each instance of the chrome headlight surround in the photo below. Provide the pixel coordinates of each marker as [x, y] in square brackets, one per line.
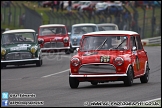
[118, 61]
[40, 39]
[3, 51]
[66, 39]
[74, 39]
[75, 61]
[33, 49]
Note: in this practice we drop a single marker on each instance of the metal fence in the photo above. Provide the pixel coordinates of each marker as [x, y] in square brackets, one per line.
[31, 19]
[20, 16]
[146, 22]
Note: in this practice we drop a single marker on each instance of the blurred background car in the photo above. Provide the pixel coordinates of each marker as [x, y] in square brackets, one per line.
[107, 26]
[46, 4]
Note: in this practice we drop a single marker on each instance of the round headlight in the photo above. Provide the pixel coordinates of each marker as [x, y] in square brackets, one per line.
[33, 49]
[3, 51]
[40, 39]
[74, 39]
[118, 61]
[75, 61]
[66, 39]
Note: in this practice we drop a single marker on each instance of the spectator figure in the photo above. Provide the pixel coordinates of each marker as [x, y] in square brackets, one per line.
[153, 23]
[23, 18]
[58, 5]
[69, 6]
[62, 5]
[133, 25]
[39, 4]
[9, 17]
[54, 5]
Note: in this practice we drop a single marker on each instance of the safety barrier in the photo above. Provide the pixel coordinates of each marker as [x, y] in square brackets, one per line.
[150, 41]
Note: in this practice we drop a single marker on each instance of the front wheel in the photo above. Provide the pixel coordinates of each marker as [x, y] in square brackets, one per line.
[67, 51]
[94, 83]
[71, 49]
[39, 63]
[145, 78]
[128, 81]
[3, 66]
[74, 83]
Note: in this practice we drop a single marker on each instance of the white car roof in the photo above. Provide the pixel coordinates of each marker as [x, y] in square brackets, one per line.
[52, 25]
[112, 32]
[18, 30]
[84, 24]
[106, 24]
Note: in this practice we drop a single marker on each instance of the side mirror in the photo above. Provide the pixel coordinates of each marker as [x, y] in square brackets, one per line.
[134, 48]
[77, 49]
[69, 33]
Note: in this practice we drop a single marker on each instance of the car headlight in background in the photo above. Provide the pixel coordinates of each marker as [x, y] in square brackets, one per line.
[66, 39]
[75, 61]
[3, 51]
[33, 49]
[118, 61]
[74, 39]
[40, 39]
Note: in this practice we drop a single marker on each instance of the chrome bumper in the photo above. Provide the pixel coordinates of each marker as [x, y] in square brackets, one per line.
[75, 46]
[61, 48]
[23, 60]
[111, 75]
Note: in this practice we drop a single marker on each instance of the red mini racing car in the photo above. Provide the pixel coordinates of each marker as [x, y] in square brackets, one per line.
[54, 38]
[109, 56]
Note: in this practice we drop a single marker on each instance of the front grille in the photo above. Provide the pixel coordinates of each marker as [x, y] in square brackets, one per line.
[97, 69]
[18, 55]
[53, 44]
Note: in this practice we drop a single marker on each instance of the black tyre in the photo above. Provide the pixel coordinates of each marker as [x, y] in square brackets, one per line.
[39, 63]
[3, 66]
[128, 81]
[67, 51]
[71, 49]
[73, 82]
[94, 83]
[145, 78]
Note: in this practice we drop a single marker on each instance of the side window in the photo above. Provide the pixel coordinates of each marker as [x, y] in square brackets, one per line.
[139, 44]
[132, 42]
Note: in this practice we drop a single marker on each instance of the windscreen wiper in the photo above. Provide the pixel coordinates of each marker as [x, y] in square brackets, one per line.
[120, 44]
[101, 44]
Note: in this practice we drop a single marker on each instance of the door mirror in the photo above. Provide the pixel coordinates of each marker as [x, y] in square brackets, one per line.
[77, 49]
[134, 48]
[69, 33]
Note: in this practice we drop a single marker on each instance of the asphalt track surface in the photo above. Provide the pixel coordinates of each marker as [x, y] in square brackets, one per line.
[51, 86]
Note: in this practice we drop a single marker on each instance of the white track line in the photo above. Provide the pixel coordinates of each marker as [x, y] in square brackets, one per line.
[55, 73]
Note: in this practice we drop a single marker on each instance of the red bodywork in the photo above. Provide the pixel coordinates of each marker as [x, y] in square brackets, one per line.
[54, 42]
[94, 59]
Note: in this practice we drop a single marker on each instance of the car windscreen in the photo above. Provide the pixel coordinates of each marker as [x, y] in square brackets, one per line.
[19, 37]
[83, 29]
[104, 43]
[44, 31]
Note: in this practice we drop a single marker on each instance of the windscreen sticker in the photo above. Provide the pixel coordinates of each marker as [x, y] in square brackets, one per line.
[18, 48]
[23, 45]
